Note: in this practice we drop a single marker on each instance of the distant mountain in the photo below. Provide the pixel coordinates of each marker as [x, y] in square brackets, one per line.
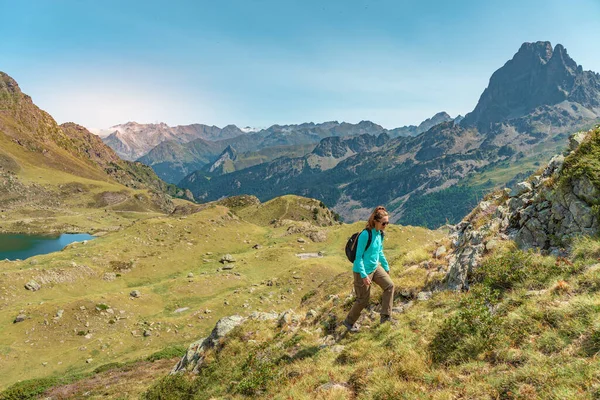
[132, 140]
[438, 175]
[31, 138]
[173, 160]
[224, 163]
[412, 130]
[536, 77]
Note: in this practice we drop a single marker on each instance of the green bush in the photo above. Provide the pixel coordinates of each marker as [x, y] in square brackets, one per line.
[29, 389]
[470, 331]
[172, 387]
[258, 373]
[514, 268]
[168, 352]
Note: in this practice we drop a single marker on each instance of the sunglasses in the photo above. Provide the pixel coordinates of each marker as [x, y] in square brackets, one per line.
[384, 223]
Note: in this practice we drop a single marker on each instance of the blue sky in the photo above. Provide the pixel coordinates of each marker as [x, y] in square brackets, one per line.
[261, 62]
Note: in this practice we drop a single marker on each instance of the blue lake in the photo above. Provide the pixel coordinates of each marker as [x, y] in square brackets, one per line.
[21, 247]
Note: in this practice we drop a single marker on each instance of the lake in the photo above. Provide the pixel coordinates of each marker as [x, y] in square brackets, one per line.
[21, 247]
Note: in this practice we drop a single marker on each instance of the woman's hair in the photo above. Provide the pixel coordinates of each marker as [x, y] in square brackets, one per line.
[378, 213]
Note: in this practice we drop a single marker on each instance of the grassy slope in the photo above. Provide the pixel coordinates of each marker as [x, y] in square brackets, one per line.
[164, 251]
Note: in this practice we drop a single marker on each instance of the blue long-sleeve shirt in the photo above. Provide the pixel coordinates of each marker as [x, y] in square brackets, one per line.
[366, 261]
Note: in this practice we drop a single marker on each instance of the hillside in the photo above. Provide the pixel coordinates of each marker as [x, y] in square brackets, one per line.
[526, 328]
[434, 177]
[59, 178]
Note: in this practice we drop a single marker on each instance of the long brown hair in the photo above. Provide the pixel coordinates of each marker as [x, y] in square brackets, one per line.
[378, 213]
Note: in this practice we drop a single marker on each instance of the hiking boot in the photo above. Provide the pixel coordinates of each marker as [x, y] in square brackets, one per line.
[351, 328]
[386, 318]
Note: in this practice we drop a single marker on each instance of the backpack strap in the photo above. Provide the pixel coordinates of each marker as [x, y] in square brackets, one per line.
[370, 239]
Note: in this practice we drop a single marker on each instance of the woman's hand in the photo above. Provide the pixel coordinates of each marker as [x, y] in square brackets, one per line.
[366, 281]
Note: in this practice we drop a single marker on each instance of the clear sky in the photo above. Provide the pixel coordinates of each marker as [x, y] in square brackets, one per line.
[261, 62]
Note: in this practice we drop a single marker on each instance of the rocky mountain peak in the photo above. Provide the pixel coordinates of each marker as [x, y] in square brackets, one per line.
[536, 76]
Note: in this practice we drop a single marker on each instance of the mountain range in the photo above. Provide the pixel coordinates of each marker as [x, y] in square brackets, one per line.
[524, 115]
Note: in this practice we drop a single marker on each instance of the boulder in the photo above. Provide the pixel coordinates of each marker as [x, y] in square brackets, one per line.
[520, 189]
[227, 258]
[33, 286]
[20, 318]
[135, 293]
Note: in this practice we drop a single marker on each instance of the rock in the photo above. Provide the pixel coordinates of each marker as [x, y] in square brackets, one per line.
[147, 333]
[304, 256]
[264, 316]
[33, 286]
[20, 318]
[585, 190]
[317, 236]
[227, 258]
[34, 262]
[311, 314]
[440, 251]
[554, 166]
[338, 348]
[89, 360]
[492, 244]
[287, 317]
[576, 139]
[227, 267]
[135, 293]
[520, 189]
[109, 276]
[190, 275]
[182, 309]
[301, 240]
[424, 296]
[256, 246]
[59, 314]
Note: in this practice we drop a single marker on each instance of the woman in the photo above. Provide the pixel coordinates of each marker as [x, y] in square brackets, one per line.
[367, 270]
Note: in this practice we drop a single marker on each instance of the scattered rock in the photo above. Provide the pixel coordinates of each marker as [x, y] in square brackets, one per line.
[227, 267]
[301, 240]
[190, 275]
[33, 286]
[20, 318]
[227, 258]
[424, 296]
[440, 251]
[89, 360]
[311, 314]
[182, 309]
[147, 333]
[135, 293]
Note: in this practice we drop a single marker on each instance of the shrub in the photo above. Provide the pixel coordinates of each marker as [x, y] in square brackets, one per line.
[29, 389]
[168, 352]
[469, 332]
[172, 387]
[258, 373]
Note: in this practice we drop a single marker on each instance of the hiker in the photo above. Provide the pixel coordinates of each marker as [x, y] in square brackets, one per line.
[366, 270]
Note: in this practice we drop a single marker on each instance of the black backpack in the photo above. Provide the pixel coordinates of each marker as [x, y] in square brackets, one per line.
[351, 245]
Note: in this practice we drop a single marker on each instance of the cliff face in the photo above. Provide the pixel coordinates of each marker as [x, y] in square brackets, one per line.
[546, 212]
[536, 76]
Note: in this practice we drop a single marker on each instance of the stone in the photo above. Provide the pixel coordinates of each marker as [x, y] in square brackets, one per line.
[190, 275]
[33, 286]
[227, 258]
[89, 360]
[287, 317]
[182, 309]
[20, 318]
[440, 251]
[135, 293]
[227, 267]
[264, 316]
[311, 314]
[554, 166]
[492, 244]
[59, 313]
[520, 189]
[424, 296]
[256, 246]
[147, 333]
[301, 240]
[585, 190]
[576, 139]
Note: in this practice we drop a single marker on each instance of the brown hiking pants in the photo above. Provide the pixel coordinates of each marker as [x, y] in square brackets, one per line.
[363, 293]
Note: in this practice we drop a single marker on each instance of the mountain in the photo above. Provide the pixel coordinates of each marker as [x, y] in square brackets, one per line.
[536, 77]
[421, 178]
[224, 163]
[64, 166]
[412, 130]
[172, 160]
[132, 140]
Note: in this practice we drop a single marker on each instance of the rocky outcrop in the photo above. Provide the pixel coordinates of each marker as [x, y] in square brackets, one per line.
[545, 212]
[536, 76]
[194, 357]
